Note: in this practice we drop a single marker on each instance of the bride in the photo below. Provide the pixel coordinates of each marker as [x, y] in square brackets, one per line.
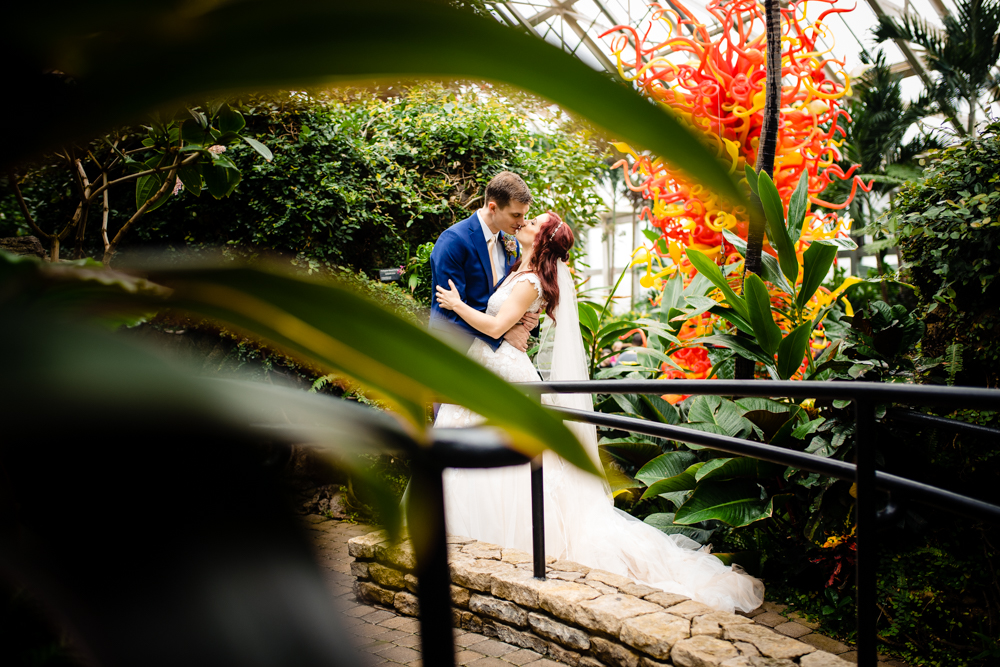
[581, 522]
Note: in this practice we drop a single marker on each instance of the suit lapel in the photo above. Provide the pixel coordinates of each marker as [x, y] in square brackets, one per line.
[479, 243]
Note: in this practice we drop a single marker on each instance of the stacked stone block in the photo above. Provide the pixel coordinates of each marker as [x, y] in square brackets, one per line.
[578, 616]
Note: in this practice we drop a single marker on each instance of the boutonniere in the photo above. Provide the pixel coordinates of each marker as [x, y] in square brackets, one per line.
[510, 244]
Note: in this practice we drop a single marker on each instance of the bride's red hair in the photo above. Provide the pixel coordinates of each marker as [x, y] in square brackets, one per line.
[552, 244]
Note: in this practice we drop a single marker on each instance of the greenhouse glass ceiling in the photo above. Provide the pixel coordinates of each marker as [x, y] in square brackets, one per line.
[578, 25]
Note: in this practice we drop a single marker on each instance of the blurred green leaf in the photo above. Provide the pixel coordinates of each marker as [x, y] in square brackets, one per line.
[257, 45]
[816, 263]
[331, 326]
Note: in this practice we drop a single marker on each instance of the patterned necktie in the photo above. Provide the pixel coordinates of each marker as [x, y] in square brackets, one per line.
[490, 245]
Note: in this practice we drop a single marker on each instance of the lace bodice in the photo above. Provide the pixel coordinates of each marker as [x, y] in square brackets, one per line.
[504, 291]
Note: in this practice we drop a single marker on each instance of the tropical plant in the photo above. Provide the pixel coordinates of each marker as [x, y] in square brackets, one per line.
[781, 351]
[962, 55]
[948, 226]
[159, 159]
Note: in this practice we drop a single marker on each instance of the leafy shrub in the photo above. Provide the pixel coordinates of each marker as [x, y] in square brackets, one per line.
[948, 225]
[359, 180]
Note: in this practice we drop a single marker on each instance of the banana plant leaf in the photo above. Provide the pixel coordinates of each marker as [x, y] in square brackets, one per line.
[665, 522]
[737, 503]
[663, 466]
[685, 481]
[332, 326]
[256, 44]
[732, 468]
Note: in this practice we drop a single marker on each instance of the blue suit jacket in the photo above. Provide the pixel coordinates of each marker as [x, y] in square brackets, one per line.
[460, 255]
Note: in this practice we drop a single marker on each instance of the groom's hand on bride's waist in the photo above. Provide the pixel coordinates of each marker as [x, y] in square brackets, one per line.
[517, 336]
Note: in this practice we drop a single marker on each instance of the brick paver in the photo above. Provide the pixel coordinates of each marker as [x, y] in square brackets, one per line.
[383, 637]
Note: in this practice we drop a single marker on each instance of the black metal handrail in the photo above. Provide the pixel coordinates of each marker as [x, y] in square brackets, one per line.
[864, 396]
[479, 448]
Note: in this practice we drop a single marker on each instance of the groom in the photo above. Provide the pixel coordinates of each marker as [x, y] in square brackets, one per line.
[476, 254]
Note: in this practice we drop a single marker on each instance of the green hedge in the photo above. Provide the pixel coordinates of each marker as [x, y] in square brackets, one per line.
[948, 225]
[357, 180]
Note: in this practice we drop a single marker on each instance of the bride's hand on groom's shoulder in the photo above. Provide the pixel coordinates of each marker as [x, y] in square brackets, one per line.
[448, 298]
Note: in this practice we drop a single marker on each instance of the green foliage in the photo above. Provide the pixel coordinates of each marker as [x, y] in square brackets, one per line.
[948, 225]
[361, 180]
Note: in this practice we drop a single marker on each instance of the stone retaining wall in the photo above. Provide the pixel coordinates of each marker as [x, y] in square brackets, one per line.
[577, 616]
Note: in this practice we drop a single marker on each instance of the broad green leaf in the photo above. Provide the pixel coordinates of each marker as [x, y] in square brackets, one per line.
[776, 231]
[260, 148]
[772, 272]
[816, 263]
[729, 315]
[685, 481]
[807, 428]
[783, 433]
[711, 270]
[221, 181]
[744, 347]
[333, 327]
[663, 411]
[194, 134]
[721, 412]
[673, 288]
[737, 503]
[758, 302]
[207, 52]
[663, 466]
[696, 306]
[768, 422]
[676, 498]
[792, 350]
[840, 242]
[731, 468]
[631, 452]
[146, 187]
[665, 522]
[588, 316]
[230, 120]
[751, 177]
[749, 403]
[191, 178]
[798, 206]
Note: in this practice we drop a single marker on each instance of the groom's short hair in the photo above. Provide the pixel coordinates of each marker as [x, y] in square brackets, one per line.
[507, 186]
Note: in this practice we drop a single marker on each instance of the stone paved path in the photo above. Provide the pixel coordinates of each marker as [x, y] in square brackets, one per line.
[383, 637]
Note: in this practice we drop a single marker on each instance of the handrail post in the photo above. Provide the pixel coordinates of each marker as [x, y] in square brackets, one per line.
[538, 517]
[867, 552]
[427, 531]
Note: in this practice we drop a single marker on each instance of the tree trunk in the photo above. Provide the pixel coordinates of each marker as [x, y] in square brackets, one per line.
[766, 148]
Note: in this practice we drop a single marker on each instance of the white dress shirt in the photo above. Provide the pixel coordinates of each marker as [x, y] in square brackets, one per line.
[499, 256]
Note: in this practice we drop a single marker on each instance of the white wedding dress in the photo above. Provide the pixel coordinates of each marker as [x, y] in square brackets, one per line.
[581, 522]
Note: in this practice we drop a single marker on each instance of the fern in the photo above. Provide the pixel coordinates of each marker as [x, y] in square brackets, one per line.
[953, 357]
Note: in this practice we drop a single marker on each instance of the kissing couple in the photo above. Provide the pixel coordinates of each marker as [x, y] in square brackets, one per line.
[493, 274]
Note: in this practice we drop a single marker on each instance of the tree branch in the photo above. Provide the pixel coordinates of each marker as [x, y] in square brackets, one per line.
[24, 209]
[131, 177]
[164, 189]
[104, 215]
